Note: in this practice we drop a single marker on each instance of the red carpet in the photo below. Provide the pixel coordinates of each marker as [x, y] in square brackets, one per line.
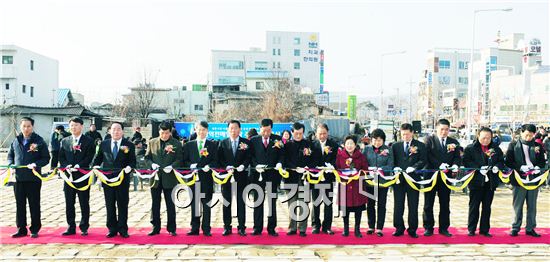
[139, 236]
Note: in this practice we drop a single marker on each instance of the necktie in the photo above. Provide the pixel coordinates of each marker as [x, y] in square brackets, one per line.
[200, 145]
[265, 142]
[25, 141]
[234, 146]
[115, 150]
[443, 144]
[407, 149]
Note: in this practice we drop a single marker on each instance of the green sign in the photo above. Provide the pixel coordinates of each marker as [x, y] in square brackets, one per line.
[352, 107]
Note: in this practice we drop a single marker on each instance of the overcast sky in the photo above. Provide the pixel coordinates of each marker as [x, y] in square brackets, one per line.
[103, 46]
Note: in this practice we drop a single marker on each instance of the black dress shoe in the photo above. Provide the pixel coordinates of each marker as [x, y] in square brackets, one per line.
[315, 231]
[445, 233]
[172, 233]
[398, 233]
[428, 232]
[206, 233]
[256, 232]
[532, 233]
[227, 232]
[193, 233]
[358, 234]
[273, 233]
[84, 233]
[69, 232]
[413, 234]
[345, 233]
[379, 233]
[328, 232]
[513, 233]
[303, 234]
[486, 234]
[370, 231]
[291, 233]
[124, 235]
[242, 232]
[471, 233]
[154, 232]
[111, 235]
[34, 235]
[19, 234]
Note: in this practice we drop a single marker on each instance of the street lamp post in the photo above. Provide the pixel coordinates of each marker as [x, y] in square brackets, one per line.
[471, 70]
[382, 79]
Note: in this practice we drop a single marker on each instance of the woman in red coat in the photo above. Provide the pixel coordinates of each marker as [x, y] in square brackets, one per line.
[351, 158]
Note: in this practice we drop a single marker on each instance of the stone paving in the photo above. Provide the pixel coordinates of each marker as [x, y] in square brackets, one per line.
[53, 215]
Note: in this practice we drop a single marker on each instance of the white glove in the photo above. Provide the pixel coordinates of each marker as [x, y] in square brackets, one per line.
[193, 166]
[454, 168]
[260, 168]
[96, 167]
[229, 168]
[206, 168]
[31, 166]
[379, 169]
[495, 169]
[68, 167]
[524, 168]
[397, 169]
[410, 169]
[444, 166]
[300, 170]
[127, 169]
[167, 169]
[154, 166]
[278, 166]
[483, 170]
[372, 168]
[240, 168]
[329, 165]
[77, 166]
[536, 170]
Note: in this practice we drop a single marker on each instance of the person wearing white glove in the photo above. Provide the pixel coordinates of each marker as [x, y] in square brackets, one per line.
[167, 169]
[206, 168]
[240, 168]
[397, 169]
[155, 166]
[443, 166]
[524, 168]
[410, 170]
[229, 168]
[454, 168]
[193, 166]
[112, 154]
[31, 166]
[279, 166]
[484, 170]
[495, 169]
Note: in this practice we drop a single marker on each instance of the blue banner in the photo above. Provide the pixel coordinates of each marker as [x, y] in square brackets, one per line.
[218, 131]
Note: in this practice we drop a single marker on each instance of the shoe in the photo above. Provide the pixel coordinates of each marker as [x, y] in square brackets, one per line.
[84, 233]
[315, 231]
[193, 233]
[172, 233]
[370, 231]
[34, 235]
[471, 233]
[486, 234]
[428, 232]
[273, 233]
[303, 234]
[413, 234]
[256, 232]
[124, 235]
[328, 232]
[445, 233]
[398, 233]
[345, 233]
[291, 233]
[226, 232]
[379, 233]
[242, 232]
[111, 235]
[69, 232]
[154, 232]
[358, 234]
[19, 234]
[532, 233]
[207, 234]
[513, 233]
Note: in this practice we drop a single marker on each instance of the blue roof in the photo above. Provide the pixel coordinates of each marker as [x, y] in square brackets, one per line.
[62, 95]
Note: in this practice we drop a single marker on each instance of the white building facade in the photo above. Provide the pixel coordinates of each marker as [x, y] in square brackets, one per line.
[27, 78]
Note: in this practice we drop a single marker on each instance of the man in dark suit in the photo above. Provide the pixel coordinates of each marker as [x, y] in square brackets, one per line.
[234, 153]
[298, 155]
[201, 154]
[267, 152]
[27, 149]
[326, 150]
[165, 154]
[117, 154]
[409, 156]
[77, 151]
[442, 154]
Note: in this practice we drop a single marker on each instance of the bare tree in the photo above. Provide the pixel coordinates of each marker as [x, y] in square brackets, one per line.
[140, 102]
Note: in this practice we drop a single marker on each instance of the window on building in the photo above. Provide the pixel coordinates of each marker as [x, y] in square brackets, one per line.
[198, 107]
[278, 51]
[276, 39]
[179, 101]
[274, 51]
[296, 80]
[296, 52]
[58, 119]
[230, 80]
[296, 65]
[32, 91]
[463, 80]
[296, 40]
[32, 65]
[259, 85]
[279, 65]
[463, 65]
[24, 89]
[444, 80]
[444, 64]
[274, 64]
[260, 65]
[7, 86]
[231, 64]
[7, 59]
